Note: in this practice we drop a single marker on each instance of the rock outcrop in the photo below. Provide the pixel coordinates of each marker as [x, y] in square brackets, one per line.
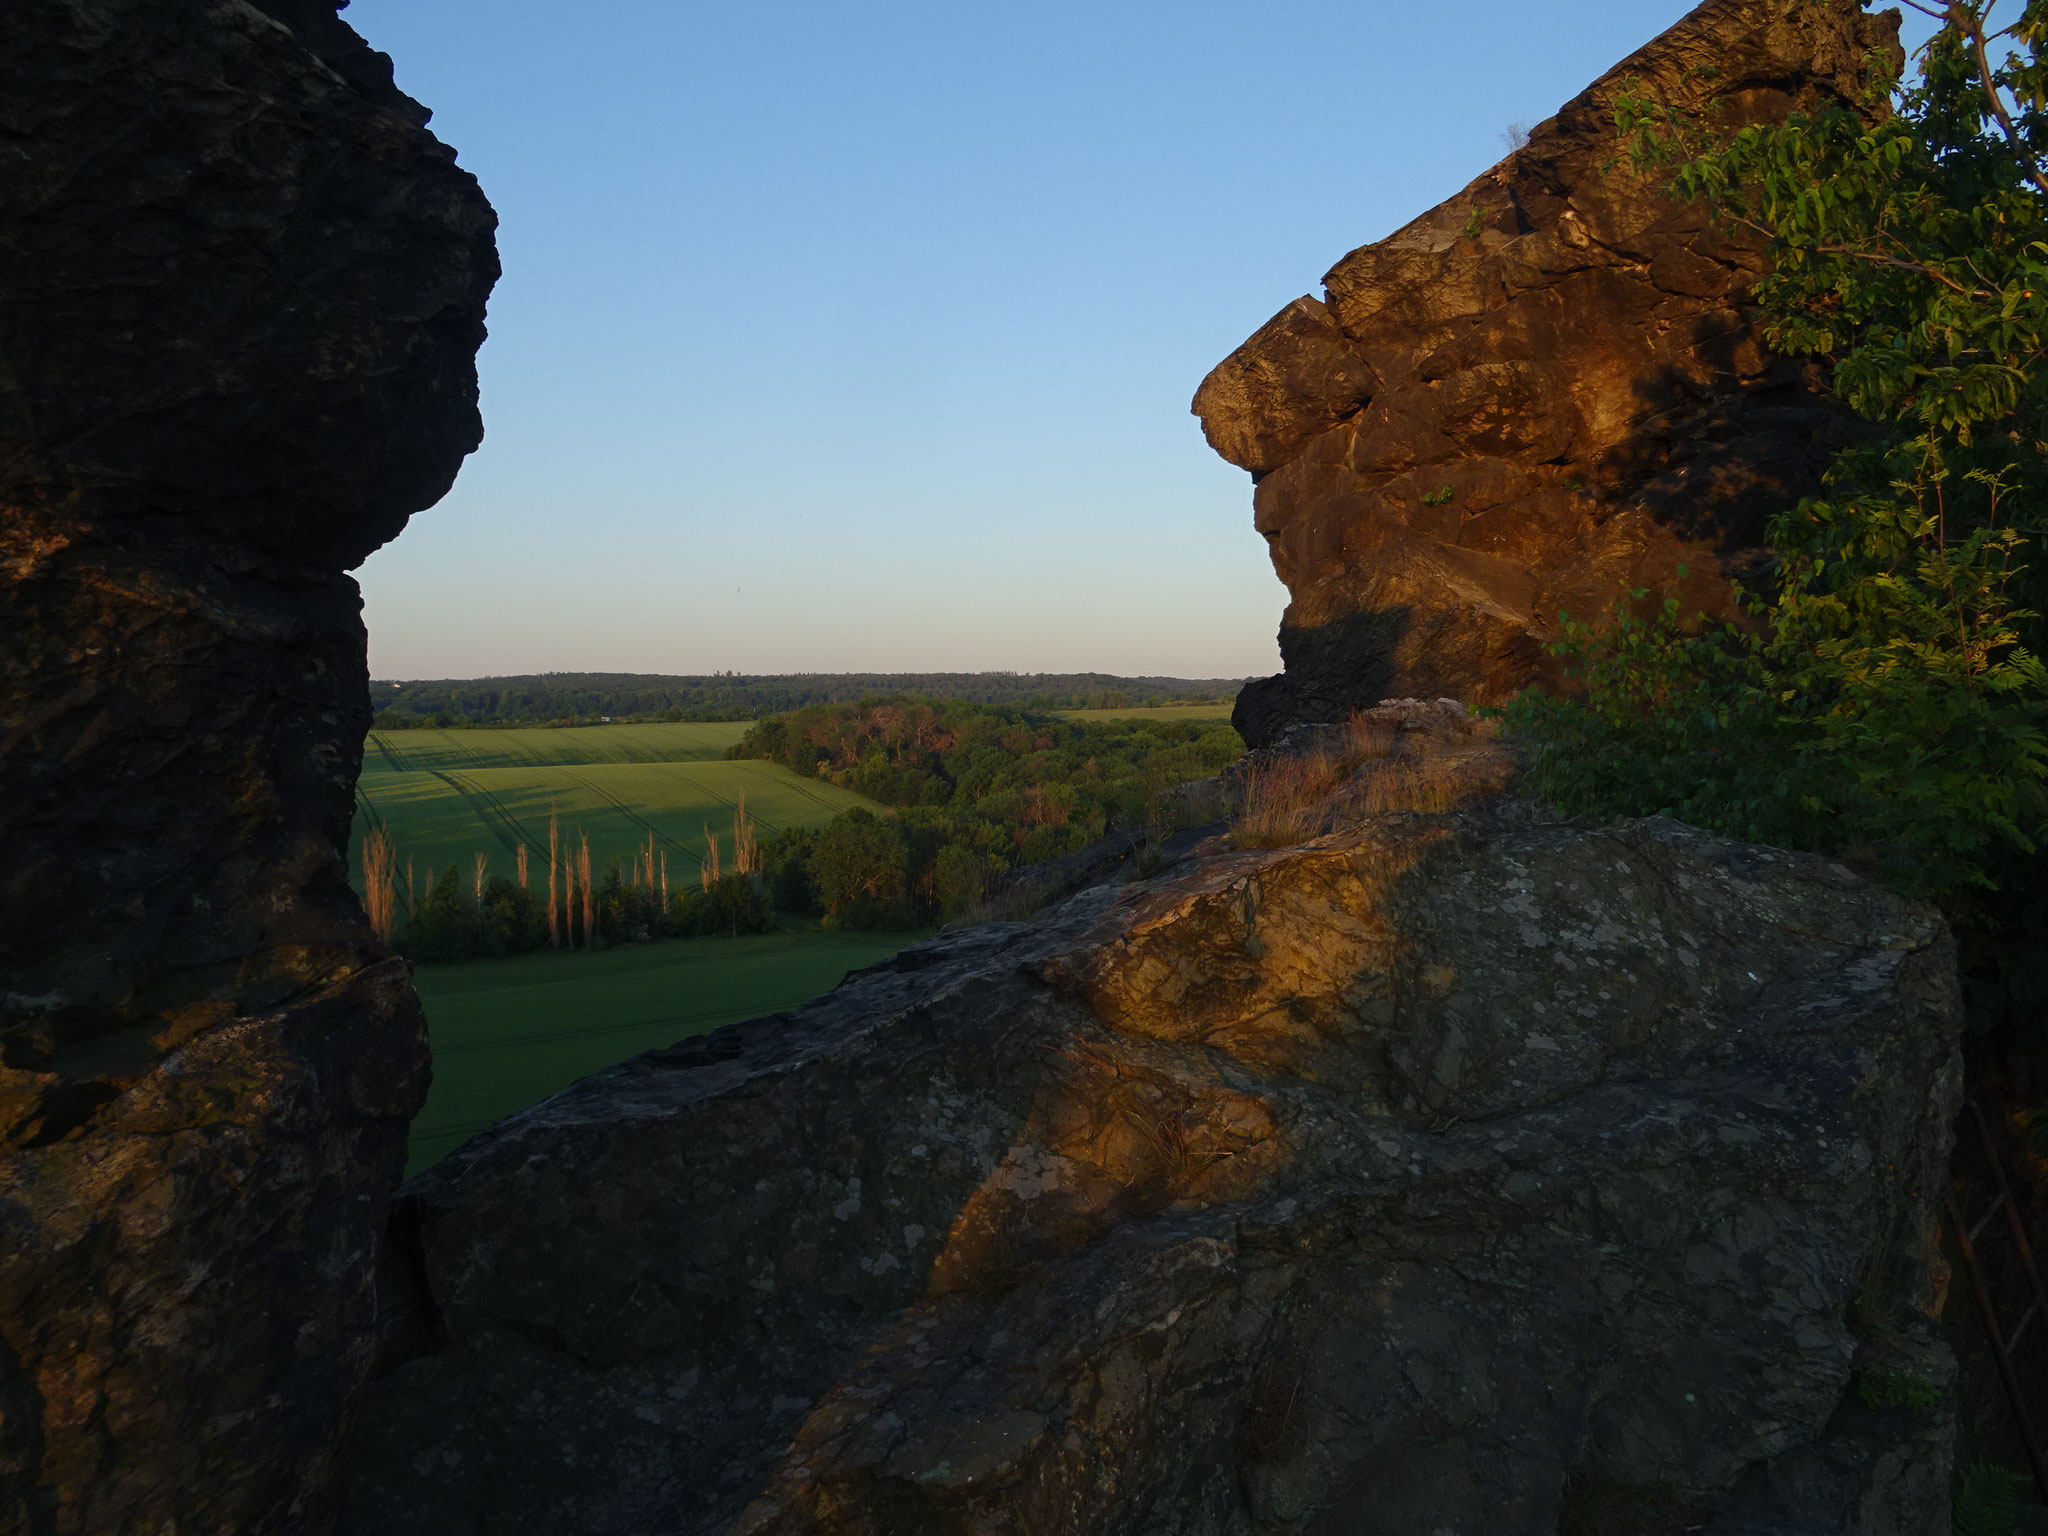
[1452, 1172]
[241, 293]
[1544, 392]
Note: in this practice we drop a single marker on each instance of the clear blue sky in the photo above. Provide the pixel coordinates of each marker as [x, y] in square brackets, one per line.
[850, 338]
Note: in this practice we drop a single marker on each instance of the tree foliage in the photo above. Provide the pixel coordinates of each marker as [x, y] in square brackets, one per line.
[978, 789]
[1887, 695]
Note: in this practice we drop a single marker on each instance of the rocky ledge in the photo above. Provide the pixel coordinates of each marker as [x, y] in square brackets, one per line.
[1453, 1172]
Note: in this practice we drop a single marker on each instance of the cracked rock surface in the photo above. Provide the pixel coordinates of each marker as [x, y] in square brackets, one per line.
[1545, 392]
[1428, 1176]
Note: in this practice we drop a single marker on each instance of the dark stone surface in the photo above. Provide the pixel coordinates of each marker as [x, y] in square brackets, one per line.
[1417, 1179]
[241, 293]
[1543, 393]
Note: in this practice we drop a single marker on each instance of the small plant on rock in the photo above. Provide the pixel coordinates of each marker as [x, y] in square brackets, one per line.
[1987, 1500]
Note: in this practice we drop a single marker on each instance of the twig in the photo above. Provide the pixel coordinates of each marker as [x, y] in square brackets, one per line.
[1895, 262]
[1975, 33]
[1970, 26]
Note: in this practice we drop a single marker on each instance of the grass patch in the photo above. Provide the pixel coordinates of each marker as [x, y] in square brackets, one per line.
[446, 816]
[423, 751]
[1362, 769]
[507, 1033]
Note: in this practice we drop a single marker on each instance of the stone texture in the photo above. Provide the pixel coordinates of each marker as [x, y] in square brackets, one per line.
[1546, 391]
[1435, 1175]
[241, 293]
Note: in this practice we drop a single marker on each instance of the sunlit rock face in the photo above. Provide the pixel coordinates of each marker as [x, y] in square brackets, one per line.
[241, 293]
[1451, 1171]
[1544, 392]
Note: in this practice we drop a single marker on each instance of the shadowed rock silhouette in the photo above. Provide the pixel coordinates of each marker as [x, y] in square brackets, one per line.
[241, 293]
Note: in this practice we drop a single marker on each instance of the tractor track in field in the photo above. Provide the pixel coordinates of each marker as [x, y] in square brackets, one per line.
[498, 822]
[802, 786]
[798, 783]
[491, 812]
[465, 756]
[731, 805]
[370, 813]
[391, 759]
[630, 814]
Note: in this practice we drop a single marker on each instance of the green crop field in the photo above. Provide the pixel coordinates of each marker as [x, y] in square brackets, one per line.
[548, 746]
[446, 815]
[1155, 712]
[507, 1033]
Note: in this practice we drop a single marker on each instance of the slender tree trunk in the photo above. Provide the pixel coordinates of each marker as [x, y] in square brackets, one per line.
[589, 894]
[744, 852]
[554, 915]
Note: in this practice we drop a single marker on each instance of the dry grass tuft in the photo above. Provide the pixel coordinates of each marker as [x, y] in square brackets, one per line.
[1367, 739]
[1285, 800]
[1408, 784]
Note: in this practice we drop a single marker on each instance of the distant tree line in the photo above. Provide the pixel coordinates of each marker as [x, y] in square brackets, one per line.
[583, 698]
[976, 791]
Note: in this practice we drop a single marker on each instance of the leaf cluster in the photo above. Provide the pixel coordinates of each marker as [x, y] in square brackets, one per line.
[1987, 1500]
[1887, 694]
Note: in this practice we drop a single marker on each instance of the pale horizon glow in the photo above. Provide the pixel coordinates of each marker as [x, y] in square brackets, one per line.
[837, 340]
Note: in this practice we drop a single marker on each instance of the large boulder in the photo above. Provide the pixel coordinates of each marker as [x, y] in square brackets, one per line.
[1546, 391]
[241, 293]
[1457, 1172]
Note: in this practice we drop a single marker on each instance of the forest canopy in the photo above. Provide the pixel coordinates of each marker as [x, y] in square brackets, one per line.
[978, 790]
